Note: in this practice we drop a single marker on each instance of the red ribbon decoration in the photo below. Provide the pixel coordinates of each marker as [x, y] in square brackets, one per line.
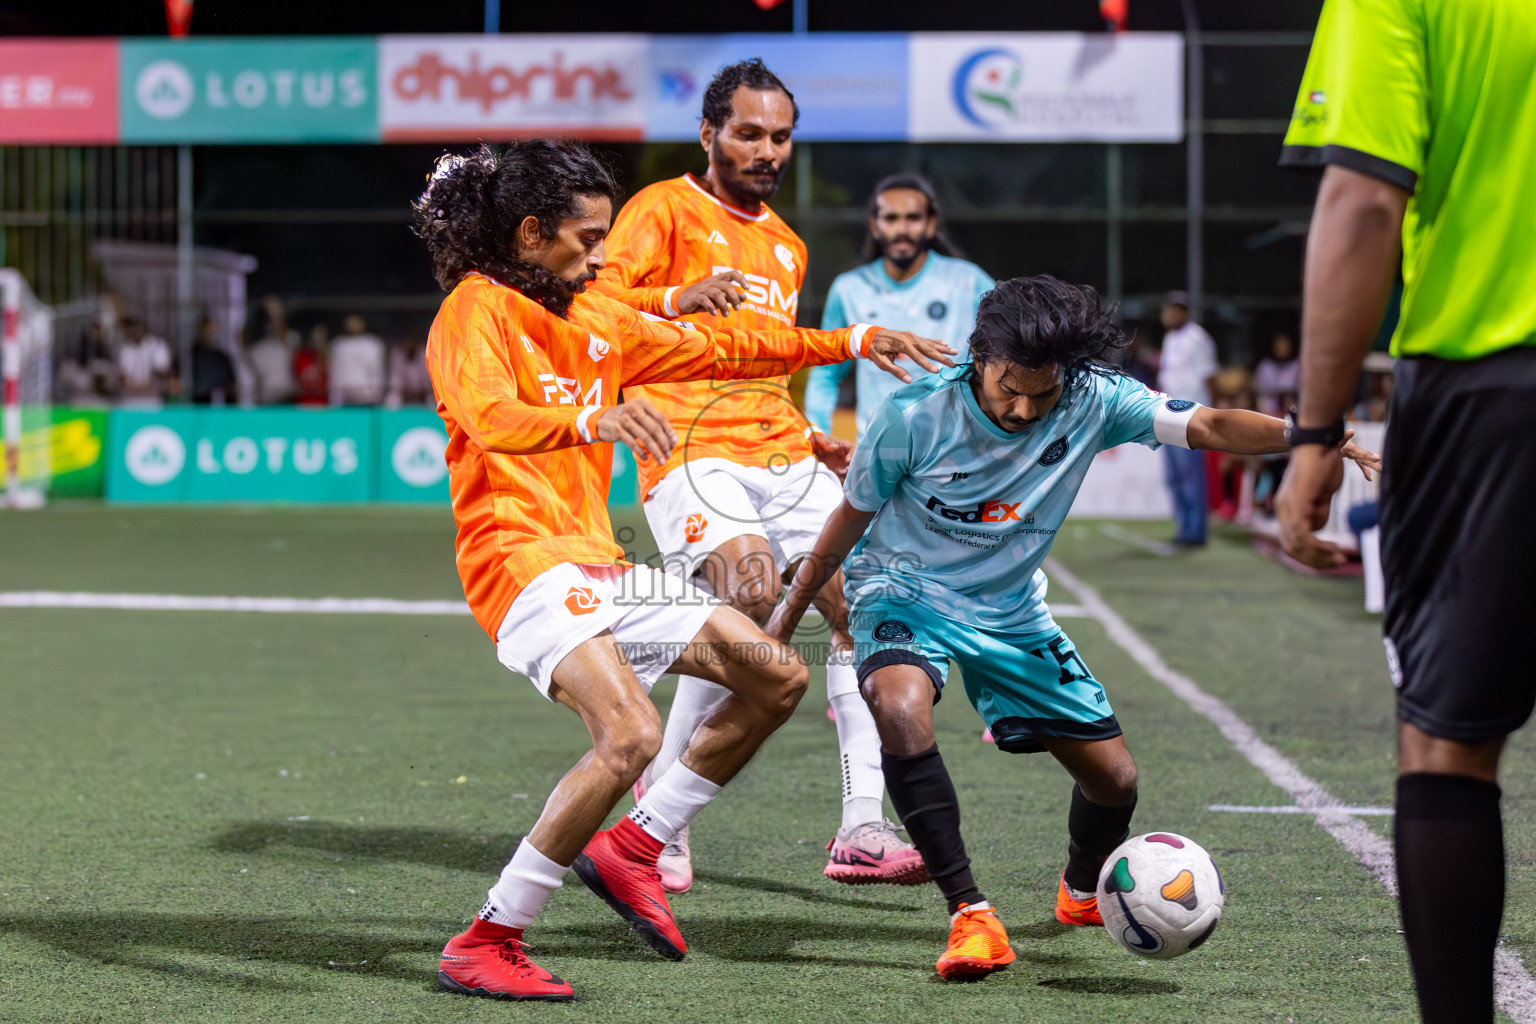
[1112, 11]
[178, 17]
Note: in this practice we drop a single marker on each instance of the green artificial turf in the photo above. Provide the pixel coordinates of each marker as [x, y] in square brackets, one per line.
[274, 817]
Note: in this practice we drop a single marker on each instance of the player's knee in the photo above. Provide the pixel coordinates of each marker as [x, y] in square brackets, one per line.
[1119, 784]
[629, 751]
[780, 688]
[756, 601]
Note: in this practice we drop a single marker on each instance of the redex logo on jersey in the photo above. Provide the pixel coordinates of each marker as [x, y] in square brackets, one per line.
[982, 512]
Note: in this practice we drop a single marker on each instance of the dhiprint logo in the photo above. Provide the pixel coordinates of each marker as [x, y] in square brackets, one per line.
[693, 530]
[164, 89]
[501, 81]
[582, 601]
[154, 455]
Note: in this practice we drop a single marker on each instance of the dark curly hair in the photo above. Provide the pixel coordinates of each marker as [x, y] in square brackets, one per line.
[753, 74]
[1041, 321]
[940, 242]
[473, 204]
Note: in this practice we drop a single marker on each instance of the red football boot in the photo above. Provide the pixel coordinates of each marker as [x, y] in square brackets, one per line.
[488, 960]
[619, 864]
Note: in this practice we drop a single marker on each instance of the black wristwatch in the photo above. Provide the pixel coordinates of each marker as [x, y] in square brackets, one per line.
[1328, 436]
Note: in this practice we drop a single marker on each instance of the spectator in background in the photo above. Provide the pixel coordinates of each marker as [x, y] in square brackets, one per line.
[145, 366]
[86, 374]
[272, 357]
[357, 365]
[309, 369]
[409, 382]
[1188, 371]
[213, 372]
[1277, 377]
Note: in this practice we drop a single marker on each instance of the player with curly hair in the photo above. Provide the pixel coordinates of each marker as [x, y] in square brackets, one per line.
[954, 497]
[527, 368]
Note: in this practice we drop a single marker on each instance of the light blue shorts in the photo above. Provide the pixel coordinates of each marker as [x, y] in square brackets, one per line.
[1026, 686]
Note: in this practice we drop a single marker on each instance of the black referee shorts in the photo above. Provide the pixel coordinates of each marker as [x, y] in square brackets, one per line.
[1458, 529]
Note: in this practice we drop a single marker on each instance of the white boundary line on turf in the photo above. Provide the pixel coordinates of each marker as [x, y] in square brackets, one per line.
[1514, 989]
[1293, 809]
[287, 605]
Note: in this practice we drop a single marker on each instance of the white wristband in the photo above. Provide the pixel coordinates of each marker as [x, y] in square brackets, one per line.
[666, 300]
[582, 420]
[1170, 423]
[856, 339]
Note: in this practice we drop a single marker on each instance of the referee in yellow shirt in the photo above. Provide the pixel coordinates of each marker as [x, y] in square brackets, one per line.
[1423, 115]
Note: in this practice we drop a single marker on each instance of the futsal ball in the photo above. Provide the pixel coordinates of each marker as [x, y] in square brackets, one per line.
[1160, 895]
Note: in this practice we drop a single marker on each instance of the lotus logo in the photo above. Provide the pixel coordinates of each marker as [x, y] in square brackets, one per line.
[154, 455]
[417, 456]
[164, 89]
[987, 85]
[693, 532]
[582, 601]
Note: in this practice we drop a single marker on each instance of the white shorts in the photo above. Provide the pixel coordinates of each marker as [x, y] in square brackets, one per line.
[704, 503]
[653, 616]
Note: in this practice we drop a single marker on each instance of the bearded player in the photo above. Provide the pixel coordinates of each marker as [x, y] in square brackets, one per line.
[527, 371]
[747, 490]
[955, 495]
[913, 281]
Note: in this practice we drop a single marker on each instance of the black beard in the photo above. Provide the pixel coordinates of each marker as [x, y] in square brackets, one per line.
[740, 187]
[923, 245]
[553, 293]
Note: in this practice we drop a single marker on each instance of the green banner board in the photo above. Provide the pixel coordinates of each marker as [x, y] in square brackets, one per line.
[411, 465]
[257, 90]
[76, 443]
[228, 455]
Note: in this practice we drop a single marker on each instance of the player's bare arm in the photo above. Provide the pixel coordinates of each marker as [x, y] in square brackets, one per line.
[1352, 252]
[1244, 432]
[843, 530]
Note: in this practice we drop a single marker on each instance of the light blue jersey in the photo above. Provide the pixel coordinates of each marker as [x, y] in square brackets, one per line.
[968, 511]
[938, 302]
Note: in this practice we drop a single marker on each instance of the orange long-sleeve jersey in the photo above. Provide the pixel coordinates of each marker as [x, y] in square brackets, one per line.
[670, 235]
[520, 390]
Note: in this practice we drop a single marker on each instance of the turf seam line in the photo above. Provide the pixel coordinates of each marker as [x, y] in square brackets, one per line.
[1293, 809]
[1514, 989]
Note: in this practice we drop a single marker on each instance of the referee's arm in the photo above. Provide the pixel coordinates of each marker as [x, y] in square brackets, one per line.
[1352, 255]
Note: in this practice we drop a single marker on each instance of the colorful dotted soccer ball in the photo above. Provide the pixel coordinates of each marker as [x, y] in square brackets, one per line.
[1160, 895]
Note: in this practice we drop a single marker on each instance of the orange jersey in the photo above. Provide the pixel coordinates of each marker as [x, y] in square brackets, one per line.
[520, 391]
[670, 235]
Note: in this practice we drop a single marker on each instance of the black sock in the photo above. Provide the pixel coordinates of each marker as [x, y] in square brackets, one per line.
[925, 801]
[1448, 830]
[1094, 831]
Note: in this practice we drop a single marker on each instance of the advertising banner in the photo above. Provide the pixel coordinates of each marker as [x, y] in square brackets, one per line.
[242, 455]
[256, 90]
[1046, 87]
[849, 86]
[58, 92]
[411, 463]
[74, 445]
[497, 87]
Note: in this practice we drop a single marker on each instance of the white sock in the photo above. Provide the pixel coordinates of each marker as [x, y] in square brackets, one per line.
[983, 905]
[526, 882]
[695, 699]
[858, 743]
[670, 804]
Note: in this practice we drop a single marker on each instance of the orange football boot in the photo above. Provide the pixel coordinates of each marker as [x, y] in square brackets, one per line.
[1071, 910]
[978, 945]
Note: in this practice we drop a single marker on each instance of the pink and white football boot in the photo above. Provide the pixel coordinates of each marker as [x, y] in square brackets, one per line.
[872, 854]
